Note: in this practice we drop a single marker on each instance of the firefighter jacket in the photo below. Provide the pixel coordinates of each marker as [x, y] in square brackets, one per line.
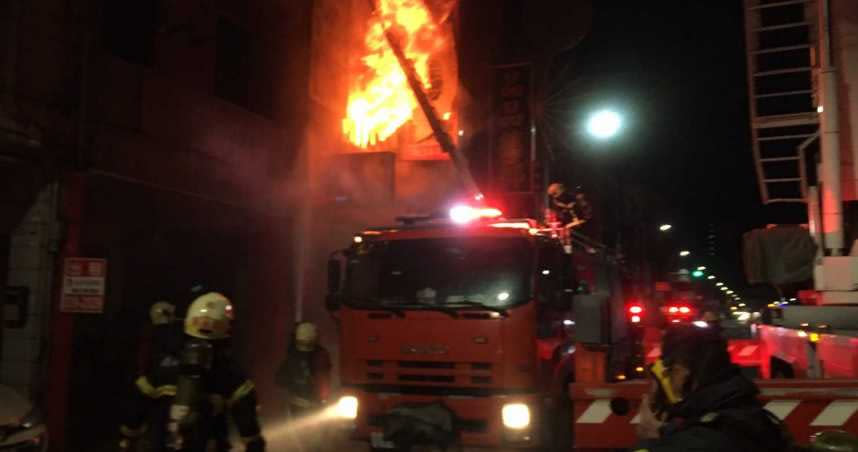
[228, 394]
[720, 417]
[305, 376]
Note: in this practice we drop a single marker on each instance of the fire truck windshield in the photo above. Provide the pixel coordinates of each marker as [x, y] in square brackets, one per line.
[447, 272]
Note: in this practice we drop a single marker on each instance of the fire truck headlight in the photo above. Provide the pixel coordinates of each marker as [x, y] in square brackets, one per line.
[347, 407]
[516, 416]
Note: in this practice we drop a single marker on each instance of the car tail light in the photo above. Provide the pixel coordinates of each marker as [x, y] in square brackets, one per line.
[635, 313]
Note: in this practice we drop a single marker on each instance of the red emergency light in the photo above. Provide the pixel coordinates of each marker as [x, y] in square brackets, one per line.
[635, 313]
[463, 214]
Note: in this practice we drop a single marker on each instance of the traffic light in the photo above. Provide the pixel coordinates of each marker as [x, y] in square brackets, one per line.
[697, 273]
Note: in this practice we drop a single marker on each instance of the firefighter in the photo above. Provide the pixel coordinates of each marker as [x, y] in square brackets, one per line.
[582, 207]
[702, 402]
[561, 203]
[306, 372]
[163, 338]
[186, 402]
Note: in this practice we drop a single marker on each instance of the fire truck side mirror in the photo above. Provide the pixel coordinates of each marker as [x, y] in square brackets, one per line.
[334, 278]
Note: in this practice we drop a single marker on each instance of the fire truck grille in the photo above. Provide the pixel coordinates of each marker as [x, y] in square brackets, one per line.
[430, 372]
[427, 378]
[462, 425]
[426, 365]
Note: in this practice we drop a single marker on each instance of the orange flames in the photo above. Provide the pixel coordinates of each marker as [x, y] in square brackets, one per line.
[381, 100]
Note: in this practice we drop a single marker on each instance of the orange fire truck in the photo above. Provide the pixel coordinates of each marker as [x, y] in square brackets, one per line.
[460, 329]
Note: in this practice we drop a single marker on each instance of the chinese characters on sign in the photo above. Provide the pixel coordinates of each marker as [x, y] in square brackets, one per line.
[511, 140]
[83, 285]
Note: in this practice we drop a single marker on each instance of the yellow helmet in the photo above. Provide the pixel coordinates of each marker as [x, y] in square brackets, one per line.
[209, 317]
[306, 336]
[162, 313]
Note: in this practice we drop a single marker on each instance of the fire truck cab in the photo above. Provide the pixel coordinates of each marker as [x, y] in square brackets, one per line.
[457, 330]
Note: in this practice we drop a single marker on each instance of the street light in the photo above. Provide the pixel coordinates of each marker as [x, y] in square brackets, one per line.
[604, 124]
[684, 253]
[710, 277]
[724, 288]
[665, 227]
[719, 284]
[729, 292]
[701, 268]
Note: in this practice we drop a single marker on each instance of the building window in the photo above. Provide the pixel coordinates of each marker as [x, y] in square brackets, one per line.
[128, 29]
[233, 63]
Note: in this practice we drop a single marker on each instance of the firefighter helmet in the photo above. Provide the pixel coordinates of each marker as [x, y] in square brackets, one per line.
[306, 336]
[162, 313]
[556, 189]
[209, 317]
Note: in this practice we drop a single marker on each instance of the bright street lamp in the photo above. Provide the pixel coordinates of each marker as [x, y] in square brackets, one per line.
[604, 124]
[724, 288]
[710, 277]
[701, 268]
[665, 227]
[684, 253]
[719, 284]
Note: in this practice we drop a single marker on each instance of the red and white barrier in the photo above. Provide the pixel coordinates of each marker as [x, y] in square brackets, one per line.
[805, 406]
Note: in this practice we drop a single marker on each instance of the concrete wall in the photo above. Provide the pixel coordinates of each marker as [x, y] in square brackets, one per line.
[31, 252]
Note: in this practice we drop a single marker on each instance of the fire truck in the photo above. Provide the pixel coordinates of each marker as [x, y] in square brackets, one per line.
[461, 329]
[811, 333]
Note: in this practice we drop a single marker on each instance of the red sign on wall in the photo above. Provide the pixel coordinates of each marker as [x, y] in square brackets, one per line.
[83, 285]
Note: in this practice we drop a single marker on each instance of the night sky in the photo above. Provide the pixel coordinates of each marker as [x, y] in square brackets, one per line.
[676, 70]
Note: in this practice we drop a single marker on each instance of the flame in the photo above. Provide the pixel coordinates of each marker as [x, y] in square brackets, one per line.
[381, 102]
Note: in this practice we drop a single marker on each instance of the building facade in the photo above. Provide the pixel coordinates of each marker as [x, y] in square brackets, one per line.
[160, 136]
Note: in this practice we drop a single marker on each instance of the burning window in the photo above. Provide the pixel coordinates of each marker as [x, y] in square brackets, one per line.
[380, 100]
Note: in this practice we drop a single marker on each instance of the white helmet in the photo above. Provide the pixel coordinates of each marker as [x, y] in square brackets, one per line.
[209, 317]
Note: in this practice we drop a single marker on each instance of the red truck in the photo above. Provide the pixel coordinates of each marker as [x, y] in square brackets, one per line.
[460, 330]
